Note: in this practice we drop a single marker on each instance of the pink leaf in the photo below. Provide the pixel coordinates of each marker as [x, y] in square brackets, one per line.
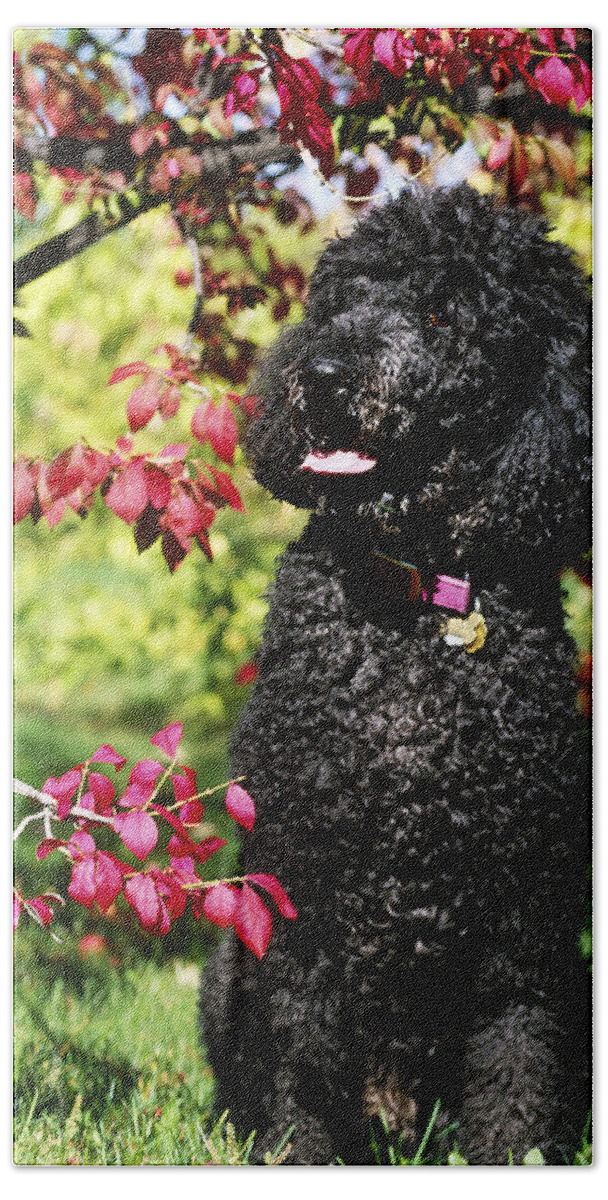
[143, 402]
[278, 893]
[184, 784]
[23, 490]
[158, 487]
[253, 922]
[220, 904]
[138, 832]
[103, 791]
[82, 883]
[141, 893]
[499, 153]
[108, 879]
[136, 795]
[63, 789]
[169, 738]
[134, 368]
[555, 80]
[108, 754]
[176, 450]
[17, 909]
[145, 771]
[240, 806]
[81, 845]
[128, 494]
[547, 38]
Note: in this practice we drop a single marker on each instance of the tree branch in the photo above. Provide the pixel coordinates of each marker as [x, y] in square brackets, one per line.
[222, 161]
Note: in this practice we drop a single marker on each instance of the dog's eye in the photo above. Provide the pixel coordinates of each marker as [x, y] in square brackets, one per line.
[438, 320]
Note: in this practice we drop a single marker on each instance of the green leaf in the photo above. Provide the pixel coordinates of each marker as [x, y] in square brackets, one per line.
[456, 1159]
[534, 1158]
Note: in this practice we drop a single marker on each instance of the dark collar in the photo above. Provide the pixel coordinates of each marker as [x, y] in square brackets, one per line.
[405, 581]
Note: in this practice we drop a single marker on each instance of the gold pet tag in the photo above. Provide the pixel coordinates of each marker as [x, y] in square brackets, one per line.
[470, 632]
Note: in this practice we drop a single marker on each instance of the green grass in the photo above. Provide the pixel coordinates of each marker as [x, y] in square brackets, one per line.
[109, 1071]
[108, 1065]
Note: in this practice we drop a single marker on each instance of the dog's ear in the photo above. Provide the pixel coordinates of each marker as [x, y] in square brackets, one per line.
[273, 450]
[538, 493]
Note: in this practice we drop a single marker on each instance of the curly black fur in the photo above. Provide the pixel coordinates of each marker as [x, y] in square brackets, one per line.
[425, 808]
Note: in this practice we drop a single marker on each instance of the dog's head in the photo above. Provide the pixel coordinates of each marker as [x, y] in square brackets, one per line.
[438, 385]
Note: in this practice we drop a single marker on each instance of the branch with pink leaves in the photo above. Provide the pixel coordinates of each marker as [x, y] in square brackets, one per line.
[163, 889]
[163, 495]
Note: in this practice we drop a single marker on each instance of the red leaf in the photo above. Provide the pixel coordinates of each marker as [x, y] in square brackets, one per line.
[128, 494]
[138, 831]
[158, 486]
[205, 545]
[134, 368]
[208, 847]
[169, 402]
[555, 80]
[66, 472]
[247, 673]
[221, 430]
[192, 812]
[182, 516]
[109, 755]
[225, 487]
[240, 806]
[198, 423]
[253, 922]
[46, 846]
[17, 909]
[220, 904]
[499, 152]
[169, 738]
[582, 83]
[143, 402]
[23, 490]
[278, 893]
[41, 909]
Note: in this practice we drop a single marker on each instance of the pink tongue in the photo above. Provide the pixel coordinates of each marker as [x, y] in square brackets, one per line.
[338, 462]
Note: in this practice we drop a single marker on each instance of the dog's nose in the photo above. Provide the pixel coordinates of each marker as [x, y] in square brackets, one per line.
[327, 377]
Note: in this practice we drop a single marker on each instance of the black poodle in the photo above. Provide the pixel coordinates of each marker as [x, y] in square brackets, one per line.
[412, 743]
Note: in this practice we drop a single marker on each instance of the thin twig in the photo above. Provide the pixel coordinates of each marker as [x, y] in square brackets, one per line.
[49, 802]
